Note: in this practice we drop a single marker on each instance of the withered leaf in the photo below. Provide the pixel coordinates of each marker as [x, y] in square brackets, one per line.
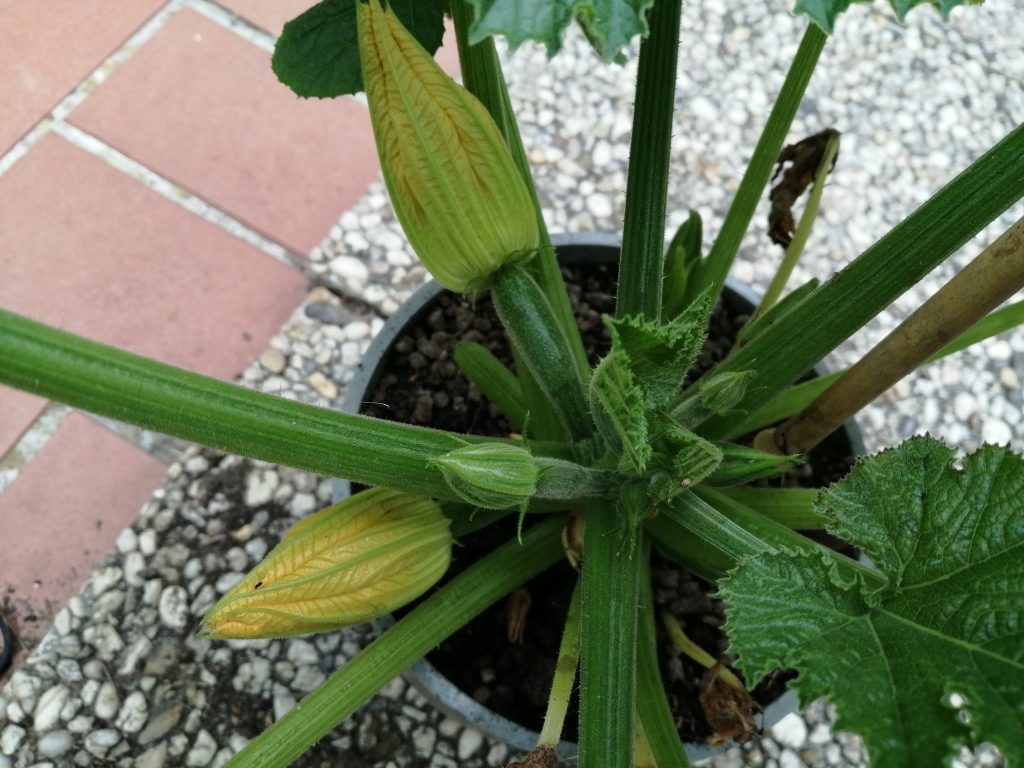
[804, 158]
[729, 712]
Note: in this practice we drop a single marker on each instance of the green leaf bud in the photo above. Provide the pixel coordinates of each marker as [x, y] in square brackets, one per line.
[719, 393]
[695, 462]
[490, 475]
[346, 564]
[453, 183]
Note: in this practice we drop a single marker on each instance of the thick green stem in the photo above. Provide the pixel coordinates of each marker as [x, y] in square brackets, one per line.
[692, 524]
[771, 534]
[799, 396]
[651, 702]
[727, 244]
[611, 576]
[642, 264]
[982, 285]
[803, 231]
[152, 395]
[792, 507]
[543, 346]
[565, 675]
[792, 345]
[482, 76]
[493, 379]
[428, 624]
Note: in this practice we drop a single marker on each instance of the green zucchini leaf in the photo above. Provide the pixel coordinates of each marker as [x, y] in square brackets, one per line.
[317, 54]
[935, 658]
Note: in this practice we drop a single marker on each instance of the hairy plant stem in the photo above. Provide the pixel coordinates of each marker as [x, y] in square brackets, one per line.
[565, 675]
[542, 345]
[643, 755]
[652, 707]
[803, 231]
[444, 612]
[642, 264]
[482, 76]
[712, 272]
[610, 584]
[991, 278]
[160, 397]
[728, 514]
[799, 396]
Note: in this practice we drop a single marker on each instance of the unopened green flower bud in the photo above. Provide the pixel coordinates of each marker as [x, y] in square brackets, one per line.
[346, 564]
[453, 183]
[490, 475]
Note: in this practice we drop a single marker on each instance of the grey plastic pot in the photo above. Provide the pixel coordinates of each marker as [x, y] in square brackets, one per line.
[435, 687]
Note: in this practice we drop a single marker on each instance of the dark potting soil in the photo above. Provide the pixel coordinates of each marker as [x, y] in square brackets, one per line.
[423, 385]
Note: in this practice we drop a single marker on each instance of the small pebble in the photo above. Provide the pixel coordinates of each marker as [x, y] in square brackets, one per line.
[260, 485]
[323, 385]
[273, 360]
[107, 701]
[48, 709]
[99, 742]
[54, 743]
[174, 607]
[791, 731]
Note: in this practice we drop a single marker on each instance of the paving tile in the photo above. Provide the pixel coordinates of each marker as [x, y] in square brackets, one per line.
[270, 15]
[86, 248]
[17, 411]
[63, 513]
[44, 55]
[448, 54]
[201, 106]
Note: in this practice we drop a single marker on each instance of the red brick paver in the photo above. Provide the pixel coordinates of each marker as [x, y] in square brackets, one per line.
[88, 249]
[63, 513]
[270, 15]
[17, 411]
[201, 106]
[46, 49]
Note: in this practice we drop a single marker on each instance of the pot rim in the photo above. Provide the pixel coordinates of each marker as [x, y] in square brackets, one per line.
[424, 676]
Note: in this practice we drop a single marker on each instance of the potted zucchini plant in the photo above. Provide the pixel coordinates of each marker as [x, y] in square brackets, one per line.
[919, 648]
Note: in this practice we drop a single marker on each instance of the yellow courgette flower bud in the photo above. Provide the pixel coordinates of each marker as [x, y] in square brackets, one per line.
[452, 180]
[348, 563]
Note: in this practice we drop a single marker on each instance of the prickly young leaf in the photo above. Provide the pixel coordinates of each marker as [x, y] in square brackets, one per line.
[617, 404]
[610, 24]
[824, 12]
[453, 183]
[317, 54]
[346, 564]
[935, 658]
[695, 458]
[660, 354]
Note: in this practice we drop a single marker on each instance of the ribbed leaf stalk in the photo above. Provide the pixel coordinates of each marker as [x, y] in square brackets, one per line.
[642, 264]
[714, 270]
[991, 278]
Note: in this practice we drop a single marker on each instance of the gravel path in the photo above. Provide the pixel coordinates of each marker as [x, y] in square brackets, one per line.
[122, 679]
